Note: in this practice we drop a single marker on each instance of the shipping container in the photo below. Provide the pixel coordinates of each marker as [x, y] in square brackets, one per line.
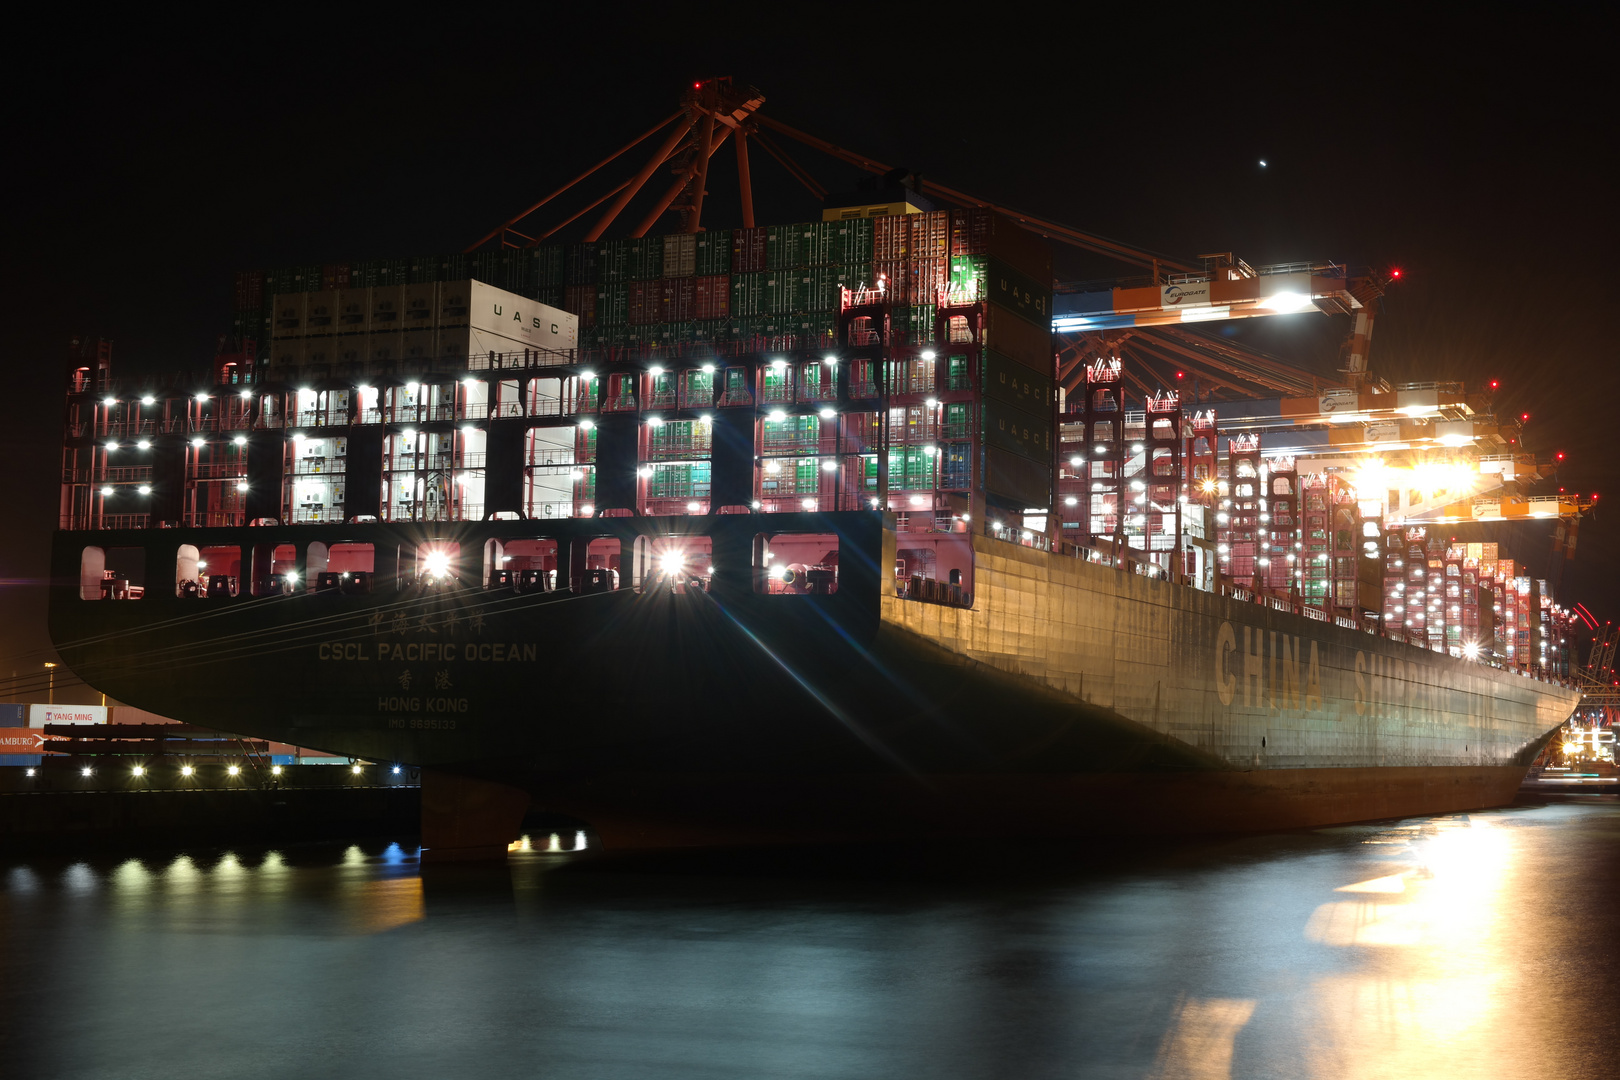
[712, 253]
[748, 251]
[387, 309]
[892, 278]
[891, 239]
[786, 290]
[930, 234]
[545, 267]
[287, 316]
[581, 300]
[644, 257]
[1020, 432]
[747, 294]
[579, 264]
[713, 296]
[1018, 481]
[612, 261]
[680, 254]
[980, 231]
[249, 294]
[679, 300]
[335, 276]
[612, 303]
[985, 277]
[419, 305]
[848, 242]
[1011, 382]
[1017, 338]
[646, 300]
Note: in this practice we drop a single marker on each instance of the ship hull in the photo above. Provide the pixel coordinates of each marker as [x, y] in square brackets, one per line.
[1066, 698]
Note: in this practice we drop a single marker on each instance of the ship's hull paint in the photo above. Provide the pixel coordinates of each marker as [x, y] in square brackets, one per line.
[1068, 695]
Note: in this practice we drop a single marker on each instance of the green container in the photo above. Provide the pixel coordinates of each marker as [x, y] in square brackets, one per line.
[816, 329]
[1026, 434]
[785, 245]
[1015, 384]
[612, 261]
[606, 337]
[787, 291]
[848, 241]
[713, 330]
[824, 290]
[644, 258]
[747, 328]
[612, 304]
[550, 295]
[747, 294]
[546, 266]
[713, 253]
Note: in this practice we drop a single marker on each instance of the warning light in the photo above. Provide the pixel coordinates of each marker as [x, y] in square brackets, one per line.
[1524, 416]
[1181, 374]
[1560, 455]
[1494, 384]
[1394, 273]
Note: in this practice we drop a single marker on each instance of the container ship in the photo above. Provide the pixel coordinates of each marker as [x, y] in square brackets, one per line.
[842, 528]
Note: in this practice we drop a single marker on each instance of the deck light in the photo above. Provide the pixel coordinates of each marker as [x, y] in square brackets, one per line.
[587, 425]
[930, 451]
[707, 369]
[139, 770]
[691, 508]
[1102, 449]
[829, 360]
[144, 444]
[705, 419]
[917, 500]
[106, 491]
[829, 413]
[355, 769]
[1136, 448]
[755, 505]
[655, 370]
[396, 770]
[241, 485]
[1076, 461]
[655, 421]
[576, 474]
[148, 400]
[469, 383]
[109, 401]
[587, 375]
[186, 770]
[408, 433]
[145, 489]
[829, 466]
[670, 562]
[776, 416]
[245, 395]
[779, 364]
[1071, 501]
[411, 387]
[931, 402]
[809, 504]
[85, 771]
[112, 445]
[201, 396]
[30, 772]
[928, 354]
[967, 517]
[240, 440]
[198, 442]
[645, 471]
[234, 770]
[587, 510]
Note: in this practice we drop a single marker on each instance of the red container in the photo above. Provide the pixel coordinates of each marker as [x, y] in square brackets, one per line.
[713, 298]
[335, 276]
[581, 300]
[680, 299]
[748, 251]
[895, 275]
[249, 290]
[891, 239]
[646, 302]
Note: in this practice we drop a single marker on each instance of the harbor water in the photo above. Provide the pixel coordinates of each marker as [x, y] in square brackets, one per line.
[1465, 945]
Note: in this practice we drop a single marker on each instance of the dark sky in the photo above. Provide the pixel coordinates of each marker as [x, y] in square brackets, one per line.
[147, 162]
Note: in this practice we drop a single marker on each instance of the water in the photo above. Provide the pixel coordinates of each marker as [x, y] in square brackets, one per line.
[1475, 945]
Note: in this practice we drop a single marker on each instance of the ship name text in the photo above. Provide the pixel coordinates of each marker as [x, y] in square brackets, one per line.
[1274, 671]
[478, 651]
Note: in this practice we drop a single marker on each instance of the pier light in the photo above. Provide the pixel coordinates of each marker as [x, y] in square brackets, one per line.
[139, 770]
[112, 445]
[106, 491]
[776, 416]
[707, 369]
[928, 354]
[241, 485]
[200, 396]
[655, 370]
[829, 413]
[779, 364]
[198, 442]
[808, 504]
[145, 489]
[109, 401]
[587, 425]
[148, 400]
[829, 466]
[186, 770]
[756, 504]
[245, 395]
[240, 440]
[234, 770]
[85, 772]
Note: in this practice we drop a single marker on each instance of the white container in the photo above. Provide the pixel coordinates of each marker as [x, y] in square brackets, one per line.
[287, 316]
[530, 323]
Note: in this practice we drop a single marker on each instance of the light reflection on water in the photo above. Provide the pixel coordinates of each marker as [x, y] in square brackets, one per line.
[1460, 946]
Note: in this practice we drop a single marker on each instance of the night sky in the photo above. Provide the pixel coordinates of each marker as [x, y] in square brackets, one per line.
[148, 162]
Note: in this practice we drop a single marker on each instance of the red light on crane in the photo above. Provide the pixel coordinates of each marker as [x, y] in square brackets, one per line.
[1494, 384]
[1560, 455]
[1181, 374]
[1394, 273]
[1524, 416]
